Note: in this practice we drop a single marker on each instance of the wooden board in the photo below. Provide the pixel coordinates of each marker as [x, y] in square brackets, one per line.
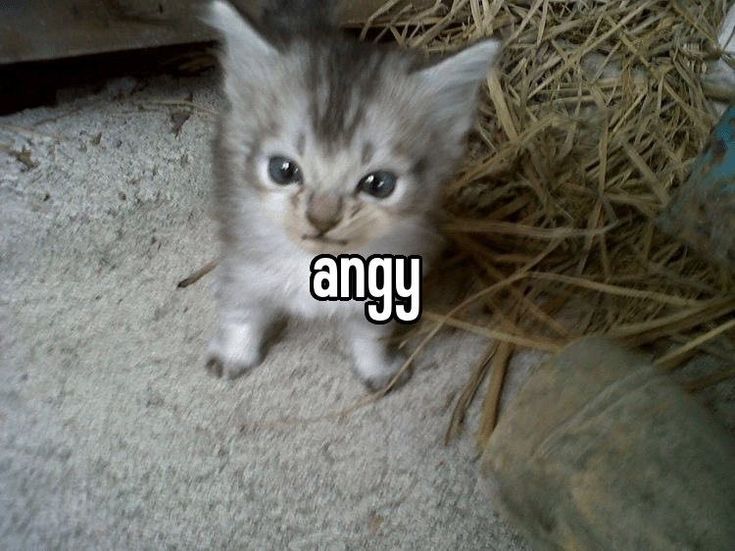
[33, 30]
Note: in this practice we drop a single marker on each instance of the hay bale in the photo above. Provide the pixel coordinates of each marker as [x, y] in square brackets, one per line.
[600, 451]
[586, 131]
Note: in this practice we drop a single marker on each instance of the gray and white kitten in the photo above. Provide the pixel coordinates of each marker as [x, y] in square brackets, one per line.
[328, 145]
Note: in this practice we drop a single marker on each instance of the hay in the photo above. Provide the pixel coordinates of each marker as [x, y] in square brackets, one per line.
[590, 124]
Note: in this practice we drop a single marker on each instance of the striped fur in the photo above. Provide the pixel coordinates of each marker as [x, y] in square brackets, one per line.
[340, 109]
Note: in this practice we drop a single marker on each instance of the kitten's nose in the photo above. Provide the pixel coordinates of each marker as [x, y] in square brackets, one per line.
[324, 211]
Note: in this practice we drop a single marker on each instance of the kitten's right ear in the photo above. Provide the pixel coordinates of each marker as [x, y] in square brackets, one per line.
[240, 38]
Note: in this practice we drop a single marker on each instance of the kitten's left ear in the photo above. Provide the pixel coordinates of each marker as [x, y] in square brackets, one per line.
[246, 52]
[453, 83]
[240, 38]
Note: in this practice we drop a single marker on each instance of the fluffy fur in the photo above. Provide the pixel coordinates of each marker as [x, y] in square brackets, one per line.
[340, 109]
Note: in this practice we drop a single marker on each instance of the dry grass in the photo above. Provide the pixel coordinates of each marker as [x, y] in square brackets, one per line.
[586, 129]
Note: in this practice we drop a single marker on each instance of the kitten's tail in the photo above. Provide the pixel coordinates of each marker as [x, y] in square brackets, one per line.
[299, 15]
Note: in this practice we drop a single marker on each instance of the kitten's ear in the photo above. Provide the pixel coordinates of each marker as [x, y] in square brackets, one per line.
[453, 83]
[240, 38]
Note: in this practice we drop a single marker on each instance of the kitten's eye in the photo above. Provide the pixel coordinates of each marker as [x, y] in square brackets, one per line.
[284, 171]
[379, 184]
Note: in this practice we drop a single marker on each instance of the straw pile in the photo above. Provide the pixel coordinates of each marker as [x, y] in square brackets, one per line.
[586, 130]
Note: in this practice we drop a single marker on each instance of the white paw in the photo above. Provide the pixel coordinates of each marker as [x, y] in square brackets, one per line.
[233, 351]
[376, 375]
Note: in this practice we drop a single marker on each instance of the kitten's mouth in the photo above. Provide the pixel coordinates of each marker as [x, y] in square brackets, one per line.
[324, 239]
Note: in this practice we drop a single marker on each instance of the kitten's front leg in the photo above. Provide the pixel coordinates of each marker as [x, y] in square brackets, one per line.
[237, 345]
[373, 361]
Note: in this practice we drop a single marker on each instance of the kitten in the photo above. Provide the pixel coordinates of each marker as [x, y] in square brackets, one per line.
[328, 145]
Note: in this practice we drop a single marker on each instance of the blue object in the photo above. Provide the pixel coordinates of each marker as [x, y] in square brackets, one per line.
[702, 212]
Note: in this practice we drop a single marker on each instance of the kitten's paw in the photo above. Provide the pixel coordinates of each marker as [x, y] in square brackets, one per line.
[231, 367]
[376, 378]
[232, 358]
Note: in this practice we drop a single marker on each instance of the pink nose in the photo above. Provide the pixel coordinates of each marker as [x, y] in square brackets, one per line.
[324, 211]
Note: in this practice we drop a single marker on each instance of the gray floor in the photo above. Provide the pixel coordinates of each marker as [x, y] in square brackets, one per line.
[111, 434]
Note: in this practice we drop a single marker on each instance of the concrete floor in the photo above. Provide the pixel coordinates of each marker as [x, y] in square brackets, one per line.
[111, 434]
